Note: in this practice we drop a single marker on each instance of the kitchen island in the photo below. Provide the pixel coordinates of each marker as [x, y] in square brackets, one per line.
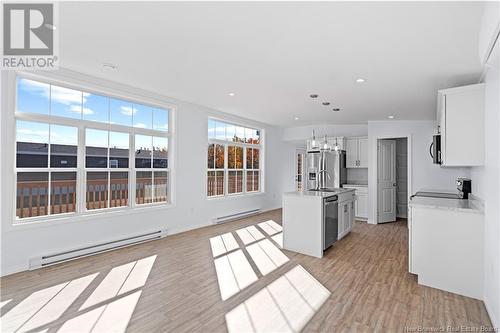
[304, 219]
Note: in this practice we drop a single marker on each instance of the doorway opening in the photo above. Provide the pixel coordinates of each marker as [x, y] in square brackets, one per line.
[392, 179]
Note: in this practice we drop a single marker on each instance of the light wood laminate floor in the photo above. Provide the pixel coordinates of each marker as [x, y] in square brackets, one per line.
[171, 285]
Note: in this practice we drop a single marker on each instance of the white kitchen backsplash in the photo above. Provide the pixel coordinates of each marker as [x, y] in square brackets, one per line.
[357, 175]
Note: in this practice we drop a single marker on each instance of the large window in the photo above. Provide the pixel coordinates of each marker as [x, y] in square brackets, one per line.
[233, 159]
[78, 152]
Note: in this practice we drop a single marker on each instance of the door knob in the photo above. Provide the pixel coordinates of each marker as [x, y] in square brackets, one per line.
[394, 184]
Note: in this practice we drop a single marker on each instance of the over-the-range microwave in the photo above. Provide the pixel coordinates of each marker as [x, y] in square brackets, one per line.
[435, 149]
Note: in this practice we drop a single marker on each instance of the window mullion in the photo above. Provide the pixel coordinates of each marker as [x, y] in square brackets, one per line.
[80, 166]
[132, 177]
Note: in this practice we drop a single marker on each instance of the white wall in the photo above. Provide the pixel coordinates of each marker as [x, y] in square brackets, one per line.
[485, 185]
[423, 173]
[302, 133]
[191, 209]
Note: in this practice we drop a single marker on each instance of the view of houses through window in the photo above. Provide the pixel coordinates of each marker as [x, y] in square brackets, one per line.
[123, 160]
[233, 159]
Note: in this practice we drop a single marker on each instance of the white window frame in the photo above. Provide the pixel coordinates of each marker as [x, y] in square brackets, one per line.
[244, 145]
[82, 125]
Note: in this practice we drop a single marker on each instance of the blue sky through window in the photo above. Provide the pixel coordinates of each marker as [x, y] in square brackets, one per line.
[160, 119]
[120, 112]
[95, 108]
[37, 97]
[32, 96]
[143, 116]
[65, 102]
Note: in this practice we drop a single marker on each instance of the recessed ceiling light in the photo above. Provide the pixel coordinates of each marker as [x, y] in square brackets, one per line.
[390, 117]
[297, 118]
[360, 80]
[326, 103]
[109, 66]
[313, 96]
[336, 109]
[232, 94]
[50, 26]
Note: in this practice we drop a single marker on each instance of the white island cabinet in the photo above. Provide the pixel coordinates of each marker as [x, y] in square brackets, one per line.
[446, 244]
[303, 227]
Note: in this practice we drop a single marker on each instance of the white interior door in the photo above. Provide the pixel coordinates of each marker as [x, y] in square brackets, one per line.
[386, 181]
[300, 165]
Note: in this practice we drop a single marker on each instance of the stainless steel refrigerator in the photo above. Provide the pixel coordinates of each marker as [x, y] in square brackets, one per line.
[326, 169]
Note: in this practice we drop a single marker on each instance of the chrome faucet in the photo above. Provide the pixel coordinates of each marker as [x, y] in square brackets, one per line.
[321, 180]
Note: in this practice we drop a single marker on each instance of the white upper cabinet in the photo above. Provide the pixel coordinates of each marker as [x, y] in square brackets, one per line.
[363, 152]
[356, 152]
[351, 152]
[461, 125]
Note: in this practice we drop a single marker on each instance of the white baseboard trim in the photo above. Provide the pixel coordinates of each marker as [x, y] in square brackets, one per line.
[493, 316]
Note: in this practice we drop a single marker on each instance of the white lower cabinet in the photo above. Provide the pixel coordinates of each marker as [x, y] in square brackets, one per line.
[361, 202]
[446, 249]
[346, 217]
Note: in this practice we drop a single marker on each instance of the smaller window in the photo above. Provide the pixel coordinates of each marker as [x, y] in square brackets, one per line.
[215, 173]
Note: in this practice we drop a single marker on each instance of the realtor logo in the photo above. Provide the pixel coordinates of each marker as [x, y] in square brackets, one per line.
[29, 32]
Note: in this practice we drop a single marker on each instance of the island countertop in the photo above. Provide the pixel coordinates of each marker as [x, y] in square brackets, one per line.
[318, 194]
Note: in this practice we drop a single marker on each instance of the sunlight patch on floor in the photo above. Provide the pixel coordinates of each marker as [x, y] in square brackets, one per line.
[266, 256]
[234, 273]
[112, 317]
[223, 244]
[120, 280]
[44, 306]
[278, 238]
[270, 227]
[285, 305]
[249, 234]
[3, 303]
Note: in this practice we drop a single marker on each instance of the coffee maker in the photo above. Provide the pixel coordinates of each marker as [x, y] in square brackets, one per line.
[464, 187]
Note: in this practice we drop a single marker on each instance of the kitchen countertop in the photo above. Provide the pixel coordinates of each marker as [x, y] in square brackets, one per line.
[318, 194]
[469, 206]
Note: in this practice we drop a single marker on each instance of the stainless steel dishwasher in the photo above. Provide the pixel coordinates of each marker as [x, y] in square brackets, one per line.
[330, 220]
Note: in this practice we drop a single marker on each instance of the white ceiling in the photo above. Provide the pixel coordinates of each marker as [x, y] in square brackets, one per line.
[273, 55]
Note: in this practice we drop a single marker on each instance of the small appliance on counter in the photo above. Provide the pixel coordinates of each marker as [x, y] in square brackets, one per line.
[463, 186]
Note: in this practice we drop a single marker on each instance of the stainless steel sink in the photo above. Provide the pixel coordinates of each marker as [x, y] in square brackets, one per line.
[324, 190]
